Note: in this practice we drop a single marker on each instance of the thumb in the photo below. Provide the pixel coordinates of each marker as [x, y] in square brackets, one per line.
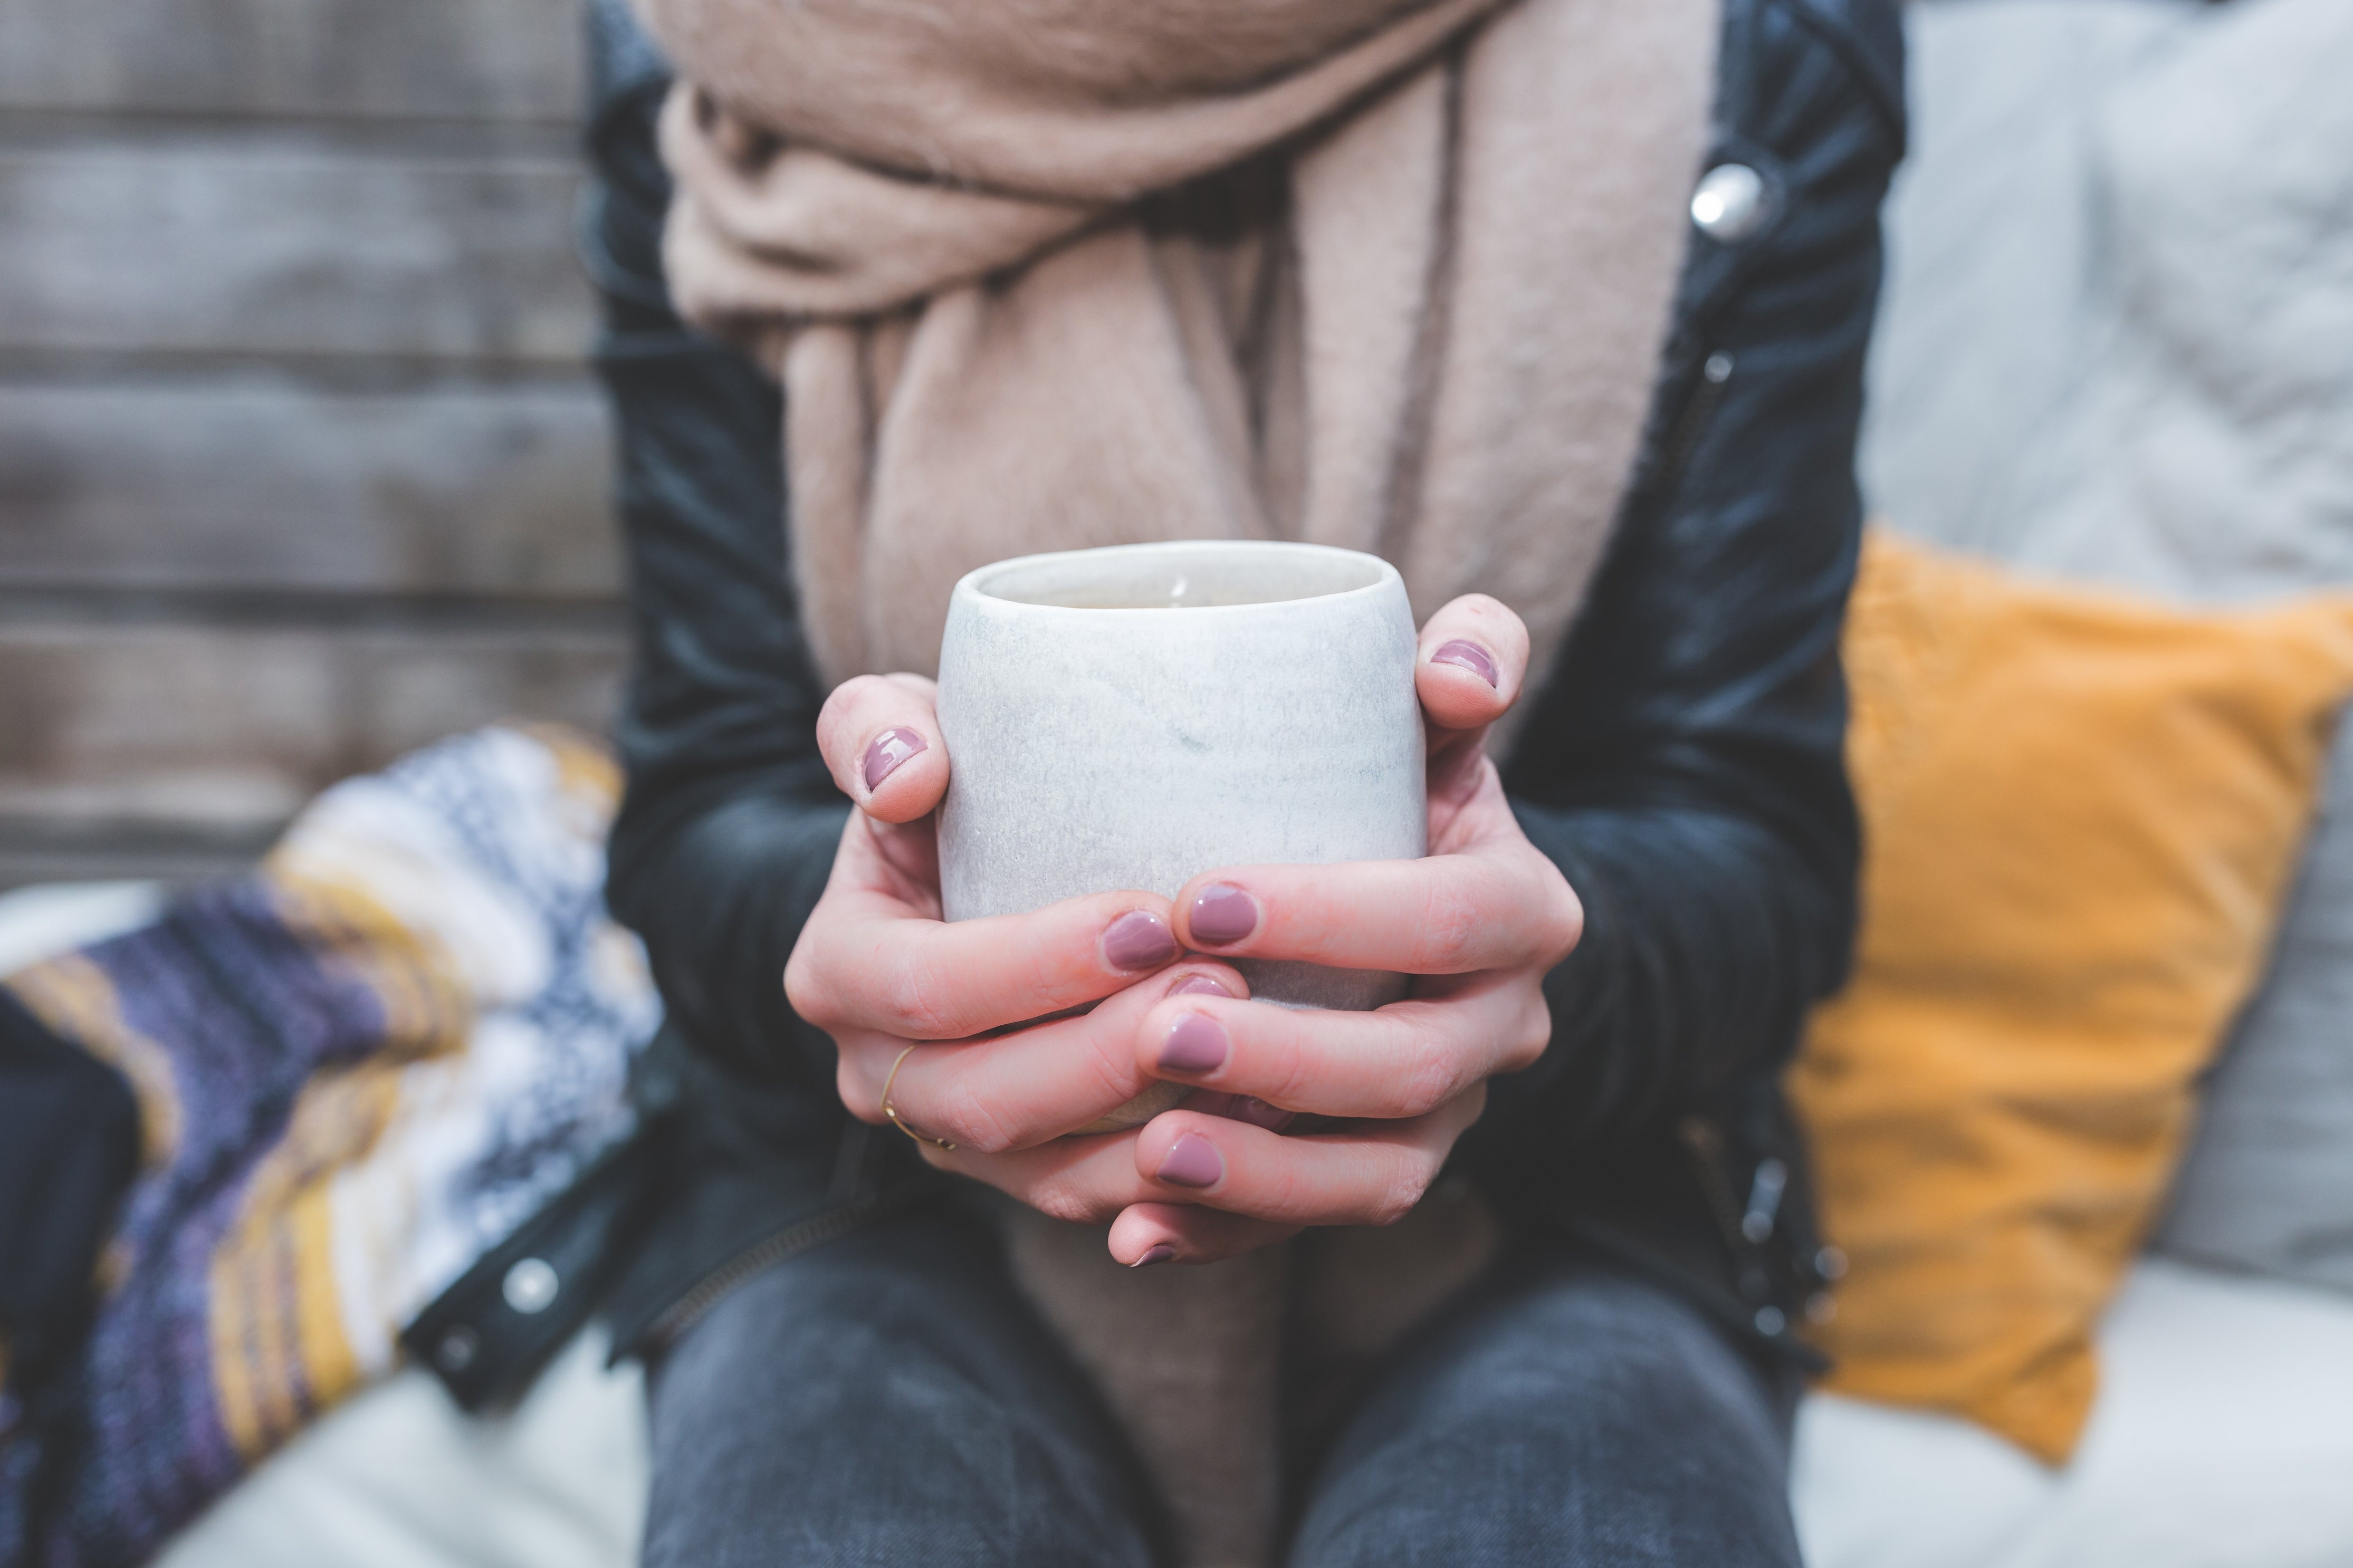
[880, 737]
[1471, 660]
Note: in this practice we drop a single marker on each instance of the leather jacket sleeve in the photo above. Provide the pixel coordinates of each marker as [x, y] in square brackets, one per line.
[728, 826]
[1684, 767]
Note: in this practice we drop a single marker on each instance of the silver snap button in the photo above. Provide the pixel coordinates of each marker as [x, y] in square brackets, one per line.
[455, 1351]
[1770, 1320]
[1718, 369]
[530, 1286]
[1729, 204]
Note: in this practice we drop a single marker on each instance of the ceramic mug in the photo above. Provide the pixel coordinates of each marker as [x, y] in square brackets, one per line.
[1131, 717]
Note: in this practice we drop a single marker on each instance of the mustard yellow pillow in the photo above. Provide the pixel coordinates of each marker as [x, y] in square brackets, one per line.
[2082, 814]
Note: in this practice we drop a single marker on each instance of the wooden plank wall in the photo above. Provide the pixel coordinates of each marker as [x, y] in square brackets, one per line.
[299, 465]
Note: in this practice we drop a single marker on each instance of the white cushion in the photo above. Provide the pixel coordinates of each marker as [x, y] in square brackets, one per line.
[398, 1477]
[1903, 1488]
[2222, 1437]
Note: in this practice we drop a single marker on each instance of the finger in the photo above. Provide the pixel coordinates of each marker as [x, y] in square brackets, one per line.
[1396, 1062]
[872, 966]
[1147, 1234]
[1086, 1180]
[1489, 908]
[1369, 1172]
[892, 867]
[1352, 1178]
[1015, 1091]
[1472, 657]
[881, 741]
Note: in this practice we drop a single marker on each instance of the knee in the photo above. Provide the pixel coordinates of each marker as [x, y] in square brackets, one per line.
[1634, 1359]
[839, 1418]
[1592, 1424]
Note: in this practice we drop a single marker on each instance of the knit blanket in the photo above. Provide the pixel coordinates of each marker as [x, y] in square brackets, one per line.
[359, 1069]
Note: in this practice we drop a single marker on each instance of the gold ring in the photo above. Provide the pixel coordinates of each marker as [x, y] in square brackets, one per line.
[893, 1115]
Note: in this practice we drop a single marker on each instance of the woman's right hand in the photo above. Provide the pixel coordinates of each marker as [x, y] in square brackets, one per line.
[879, 970]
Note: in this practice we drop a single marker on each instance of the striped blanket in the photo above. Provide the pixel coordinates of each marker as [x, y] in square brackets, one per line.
[358, 1069]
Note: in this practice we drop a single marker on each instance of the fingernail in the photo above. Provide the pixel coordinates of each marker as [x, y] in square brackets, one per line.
[1468, 655]
[1194, 1044]
[1159, 1254]
[1192, 1162]
[890, 748]
[1259, 1114]
[1198, 986]
[1223, 914]
[1138, 941]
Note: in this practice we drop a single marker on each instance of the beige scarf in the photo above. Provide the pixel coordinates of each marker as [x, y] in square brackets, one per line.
[1043, 273]
[1427, 326]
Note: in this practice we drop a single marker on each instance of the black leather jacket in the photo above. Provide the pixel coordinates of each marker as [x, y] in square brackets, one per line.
[1682, 764]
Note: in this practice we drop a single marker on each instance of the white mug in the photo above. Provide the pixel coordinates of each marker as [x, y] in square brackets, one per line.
[1131, 717]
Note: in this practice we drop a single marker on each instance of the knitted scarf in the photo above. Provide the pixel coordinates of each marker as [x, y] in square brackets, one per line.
[1044, 274]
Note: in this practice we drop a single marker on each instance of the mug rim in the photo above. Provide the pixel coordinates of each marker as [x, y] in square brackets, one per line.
[979, 582]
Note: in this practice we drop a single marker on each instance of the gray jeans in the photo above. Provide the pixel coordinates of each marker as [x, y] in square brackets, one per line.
[889, 1401]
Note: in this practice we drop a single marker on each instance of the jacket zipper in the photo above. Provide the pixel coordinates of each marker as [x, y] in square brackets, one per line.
[1737, 1224]
[1714, 375]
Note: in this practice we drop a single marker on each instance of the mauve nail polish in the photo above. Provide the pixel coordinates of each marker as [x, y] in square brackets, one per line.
[890, 748]
[1222, 914]
[1199, 985]
[1468, 655]
[1138, 941]
[1159, 1254]
[1192, 1162]
[1194, 1044]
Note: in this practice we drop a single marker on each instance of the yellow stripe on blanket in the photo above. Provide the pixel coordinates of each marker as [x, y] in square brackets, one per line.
[280, 1350]
[428, 1008]
[585, 772]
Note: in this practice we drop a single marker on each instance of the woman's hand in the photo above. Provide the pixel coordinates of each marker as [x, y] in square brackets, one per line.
[878, 969]
[1479, 922]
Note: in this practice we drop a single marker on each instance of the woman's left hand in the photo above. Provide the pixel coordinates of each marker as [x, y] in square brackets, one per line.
[1478, 923]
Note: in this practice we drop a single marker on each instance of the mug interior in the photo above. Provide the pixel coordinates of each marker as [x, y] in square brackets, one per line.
[1181, 575]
